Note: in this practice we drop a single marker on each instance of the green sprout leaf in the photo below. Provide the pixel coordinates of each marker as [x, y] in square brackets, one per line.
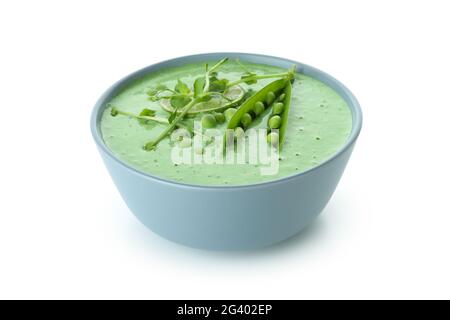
[155, 93]
[179, 102]
[213, 76]
[218, 85]
[114, 112]
[147, 112]
[199, 84]
[249, 78]
[204, 98]
[182, 87]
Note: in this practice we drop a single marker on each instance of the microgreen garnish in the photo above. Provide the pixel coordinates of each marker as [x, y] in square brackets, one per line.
[199, 84]
[211, 74]
[179, 102]
[182, 98]
[251, 78]
[173, 115]
[248, 76]
[152, 144]
[202, 95]
[182, 88]
[145, 114]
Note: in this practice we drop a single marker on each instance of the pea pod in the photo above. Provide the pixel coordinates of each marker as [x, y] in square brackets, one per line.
[241, 119]
[275, 87]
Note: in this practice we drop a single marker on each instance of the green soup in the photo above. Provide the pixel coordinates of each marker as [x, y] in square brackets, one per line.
[319, 123]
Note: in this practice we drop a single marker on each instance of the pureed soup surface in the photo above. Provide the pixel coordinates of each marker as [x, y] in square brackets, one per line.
[319, 123]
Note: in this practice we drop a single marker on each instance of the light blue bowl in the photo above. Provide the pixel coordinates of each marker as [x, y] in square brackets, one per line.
[244, 217]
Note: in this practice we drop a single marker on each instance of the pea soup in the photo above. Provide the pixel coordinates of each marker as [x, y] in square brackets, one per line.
[170, 123]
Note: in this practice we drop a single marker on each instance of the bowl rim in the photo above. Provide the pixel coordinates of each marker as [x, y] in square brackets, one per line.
[302, 68]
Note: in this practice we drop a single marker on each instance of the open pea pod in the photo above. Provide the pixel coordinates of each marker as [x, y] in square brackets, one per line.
[275, 87]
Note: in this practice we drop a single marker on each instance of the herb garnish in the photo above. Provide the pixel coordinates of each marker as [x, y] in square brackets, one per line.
[182, 98]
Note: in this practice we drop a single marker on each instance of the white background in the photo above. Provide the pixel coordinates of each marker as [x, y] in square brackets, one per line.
[66, 233]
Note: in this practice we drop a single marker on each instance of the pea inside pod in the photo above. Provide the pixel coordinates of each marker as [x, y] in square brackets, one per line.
[273, 138]
[239, 133]
[275, 122]
[278, 120]
[246, 120]
[278, 108]
[209, 121]
[220, 118]
[258, 108]
[270, 98]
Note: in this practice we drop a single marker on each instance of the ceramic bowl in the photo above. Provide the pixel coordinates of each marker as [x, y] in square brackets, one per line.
[243, 217]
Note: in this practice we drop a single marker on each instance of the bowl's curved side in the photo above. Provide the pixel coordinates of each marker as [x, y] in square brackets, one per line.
[228, 219]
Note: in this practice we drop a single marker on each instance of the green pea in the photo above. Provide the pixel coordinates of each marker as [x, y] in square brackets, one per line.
[270, 97]
[229, 113]
[278, 108]
[258, 108]
[274, 122]
[281, 97]
[273, 138]
[220, 118]
[239, 133]
[208, 121]
[246, 119]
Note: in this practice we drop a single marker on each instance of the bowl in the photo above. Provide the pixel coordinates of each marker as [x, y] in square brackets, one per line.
[228, 217]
